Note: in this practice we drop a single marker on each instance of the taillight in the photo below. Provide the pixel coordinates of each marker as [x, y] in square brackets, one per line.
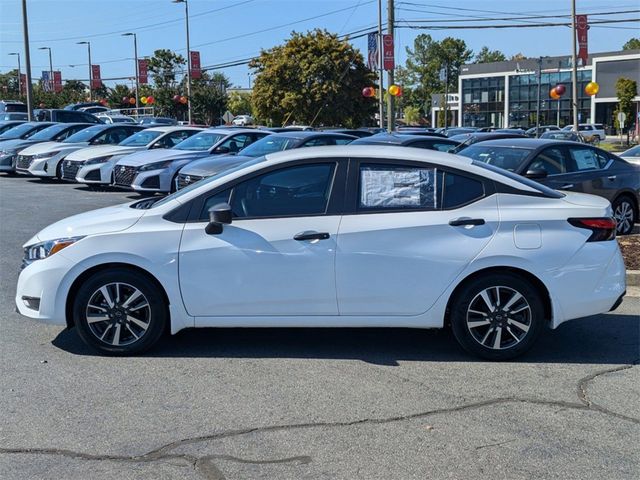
[602, 228]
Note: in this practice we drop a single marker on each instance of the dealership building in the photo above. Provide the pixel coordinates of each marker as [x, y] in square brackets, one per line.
[504, 94]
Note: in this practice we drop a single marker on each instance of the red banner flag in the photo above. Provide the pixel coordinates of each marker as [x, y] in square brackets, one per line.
[582, 26]
[388, 52]
[196, 72]
[23, 84]
[57, 81]
[96, 82]
[143, 71]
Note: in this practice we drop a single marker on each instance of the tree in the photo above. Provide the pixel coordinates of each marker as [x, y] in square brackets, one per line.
[626, 90]
[487, 56]
[240, 103]
[411, 115]
[632, 44]
[164, 66]
[517, 57]
[209, 97]
[314, 78]
[424, 61]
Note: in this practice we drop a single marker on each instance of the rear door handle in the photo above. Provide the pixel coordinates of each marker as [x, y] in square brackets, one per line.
[311, 235]
[460, 222]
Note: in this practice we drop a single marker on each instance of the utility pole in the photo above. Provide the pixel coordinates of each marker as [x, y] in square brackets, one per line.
[88, 44]
[391, 114]
[538, 98]
[27, 59]
[380, 68]
[135, 59]
[186, 17]
[574, 72]
[446, 96]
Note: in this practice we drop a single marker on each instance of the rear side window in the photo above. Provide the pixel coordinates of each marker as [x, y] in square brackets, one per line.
[460, 190]
[396, 187]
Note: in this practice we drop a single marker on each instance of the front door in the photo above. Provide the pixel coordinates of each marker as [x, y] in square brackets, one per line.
[276, 257]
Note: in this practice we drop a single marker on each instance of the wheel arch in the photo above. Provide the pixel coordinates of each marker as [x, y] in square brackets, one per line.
[629, 194]
[73, 289]
[534, 280]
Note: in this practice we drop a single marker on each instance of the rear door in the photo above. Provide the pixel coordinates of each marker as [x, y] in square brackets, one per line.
[408, 232]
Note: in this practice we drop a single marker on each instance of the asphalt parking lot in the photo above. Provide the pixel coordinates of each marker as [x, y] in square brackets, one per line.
[313, 404]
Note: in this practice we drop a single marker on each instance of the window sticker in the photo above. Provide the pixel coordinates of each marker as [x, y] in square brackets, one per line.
[390, 187]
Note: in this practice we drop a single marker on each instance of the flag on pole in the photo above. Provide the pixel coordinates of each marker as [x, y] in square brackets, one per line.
[372, 41]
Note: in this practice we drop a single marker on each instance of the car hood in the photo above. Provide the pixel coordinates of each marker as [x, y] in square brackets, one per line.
[104, 220]
[101, 151]
[213, 164]
[45, 147]
[145, 157]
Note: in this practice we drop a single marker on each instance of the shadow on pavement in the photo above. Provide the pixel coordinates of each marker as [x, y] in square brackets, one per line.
[602, 339]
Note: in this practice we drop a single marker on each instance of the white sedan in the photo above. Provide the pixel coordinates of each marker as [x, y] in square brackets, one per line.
[353, 236]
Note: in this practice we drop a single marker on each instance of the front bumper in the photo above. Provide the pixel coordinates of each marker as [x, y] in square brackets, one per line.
[99, 173]
[146, 181]
[46, 167]
[8, 163]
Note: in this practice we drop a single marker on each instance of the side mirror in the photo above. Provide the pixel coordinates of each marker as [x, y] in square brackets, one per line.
[221, 149]
[536, 173]
[219, 215]
[157, 145]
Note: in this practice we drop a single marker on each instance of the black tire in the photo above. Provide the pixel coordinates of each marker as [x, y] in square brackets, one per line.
[625, 213]
[125, 320]
[59, 170]
[521, 329]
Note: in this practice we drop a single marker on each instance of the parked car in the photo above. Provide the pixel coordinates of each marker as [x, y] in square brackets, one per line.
[354, 132]
[94, 165]
[243, 120]
[569, 166]
[156, 170]
[594, 130]
[65, 116]
[212, 165]
[83, 105]
[452, 131]
[353, 236]
[542, 129]
[158, 121]
[632, 155]
[95, 110]
[467, 139]
[560, 135]
[23, 130]
[111, 118]
[45, 159]
[421, 132]
[11, 106]
[290, 128]
[442, 144]
[9, 124]
[14, 116]
[55, 133]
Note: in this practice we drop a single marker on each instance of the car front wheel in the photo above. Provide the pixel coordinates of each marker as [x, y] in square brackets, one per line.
[119, 312]
[624, 211]
[497, 316]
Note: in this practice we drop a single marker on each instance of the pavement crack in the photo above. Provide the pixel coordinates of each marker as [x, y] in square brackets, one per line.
[480, 447]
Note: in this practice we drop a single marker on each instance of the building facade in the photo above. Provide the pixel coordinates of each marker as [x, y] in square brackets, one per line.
[505, 94]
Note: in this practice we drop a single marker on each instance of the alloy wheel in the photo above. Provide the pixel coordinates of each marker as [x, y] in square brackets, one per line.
[624, 217]
[499, 317]
[118, 314]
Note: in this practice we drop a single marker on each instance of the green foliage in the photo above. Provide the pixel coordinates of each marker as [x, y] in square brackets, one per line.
[209, 98]
[517, 57]
[626, 90]
[240, 103]
[487, 56]
[632, 44]
[314, 78]
[164, 67]
[412, 115]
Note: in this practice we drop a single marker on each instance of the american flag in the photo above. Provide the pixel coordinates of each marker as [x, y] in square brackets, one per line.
[373, 50]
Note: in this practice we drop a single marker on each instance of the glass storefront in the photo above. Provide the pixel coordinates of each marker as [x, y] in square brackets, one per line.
[483, 102]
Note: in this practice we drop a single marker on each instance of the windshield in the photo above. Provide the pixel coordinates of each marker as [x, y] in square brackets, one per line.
[508, 158]
[270, 144]
[525, 181]
[201, 141]
[18, 131]
[140, 139]
[85, 135]
[50, 132]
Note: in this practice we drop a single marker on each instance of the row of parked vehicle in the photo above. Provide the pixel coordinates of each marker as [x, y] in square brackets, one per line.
[168, 158]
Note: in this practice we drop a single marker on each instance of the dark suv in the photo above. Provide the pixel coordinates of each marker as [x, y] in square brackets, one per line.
[64, 116]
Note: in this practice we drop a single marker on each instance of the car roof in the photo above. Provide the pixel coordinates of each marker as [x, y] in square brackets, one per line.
[531, 143]
[173, 128]
[304, 134]
[399, 139]
[229, 131]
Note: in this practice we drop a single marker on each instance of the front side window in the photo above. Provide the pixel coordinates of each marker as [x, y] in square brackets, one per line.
[396, 187]
[236, 143]
[551, 160]
[172, 139]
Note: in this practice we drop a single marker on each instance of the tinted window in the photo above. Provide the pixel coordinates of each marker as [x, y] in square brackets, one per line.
[460, 190]
[200, 142]
[172, 139]
[236, 143]
[19, 131]
[111, 136]
[270, 144]
[394, 187]
[50, 132]
[343, 141]
[212, 201]
[85, 135]
[503, 157]
[439, 146]
[551, 160]
[319, 142]
[141, 139]
[584, 159]
[293, 191]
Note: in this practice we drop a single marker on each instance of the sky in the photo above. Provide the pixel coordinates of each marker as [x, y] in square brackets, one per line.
[228, 30]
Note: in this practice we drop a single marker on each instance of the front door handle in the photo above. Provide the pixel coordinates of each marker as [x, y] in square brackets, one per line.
[311, 235]
[566, 185]
[460, 222]
[612, 178]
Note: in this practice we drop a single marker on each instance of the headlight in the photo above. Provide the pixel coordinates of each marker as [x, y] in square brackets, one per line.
[95, 161]
[156, 166]
[43, 250]
[7, 152]
[46, 154]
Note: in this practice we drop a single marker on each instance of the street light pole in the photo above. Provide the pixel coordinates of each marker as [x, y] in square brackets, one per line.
[19, 83]
[88, 44]
[25, 32]
[380, 68]
[135, 59]
[538, 98]
[186, 17]
[391, 113]
[574, 71]
[50, 68]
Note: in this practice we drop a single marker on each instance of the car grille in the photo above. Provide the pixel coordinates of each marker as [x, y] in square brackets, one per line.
[124, 175]
[184, 180]
[24, 161]
[70, 169]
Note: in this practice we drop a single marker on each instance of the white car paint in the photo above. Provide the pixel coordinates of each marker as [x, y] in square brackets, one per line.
[376, 270]
[44, 157]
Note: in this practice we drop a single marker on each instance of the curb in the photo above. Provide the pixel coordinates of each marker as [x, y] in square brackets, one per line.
[633, 278]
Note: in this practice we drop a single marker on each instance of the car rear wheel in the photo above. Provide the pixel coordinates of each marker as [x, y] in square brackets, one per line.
[119, 312]
[497, 316]
[624, 211]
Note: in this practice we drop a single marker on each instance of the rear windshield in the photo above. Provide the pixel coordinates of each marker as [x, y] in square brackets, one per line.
[14, 107]
[504, 157]
[546, 191]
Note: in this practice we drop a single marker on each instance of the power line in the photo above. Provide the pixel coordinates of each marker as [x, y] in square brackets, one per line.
[526, 25]
[537, 17]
